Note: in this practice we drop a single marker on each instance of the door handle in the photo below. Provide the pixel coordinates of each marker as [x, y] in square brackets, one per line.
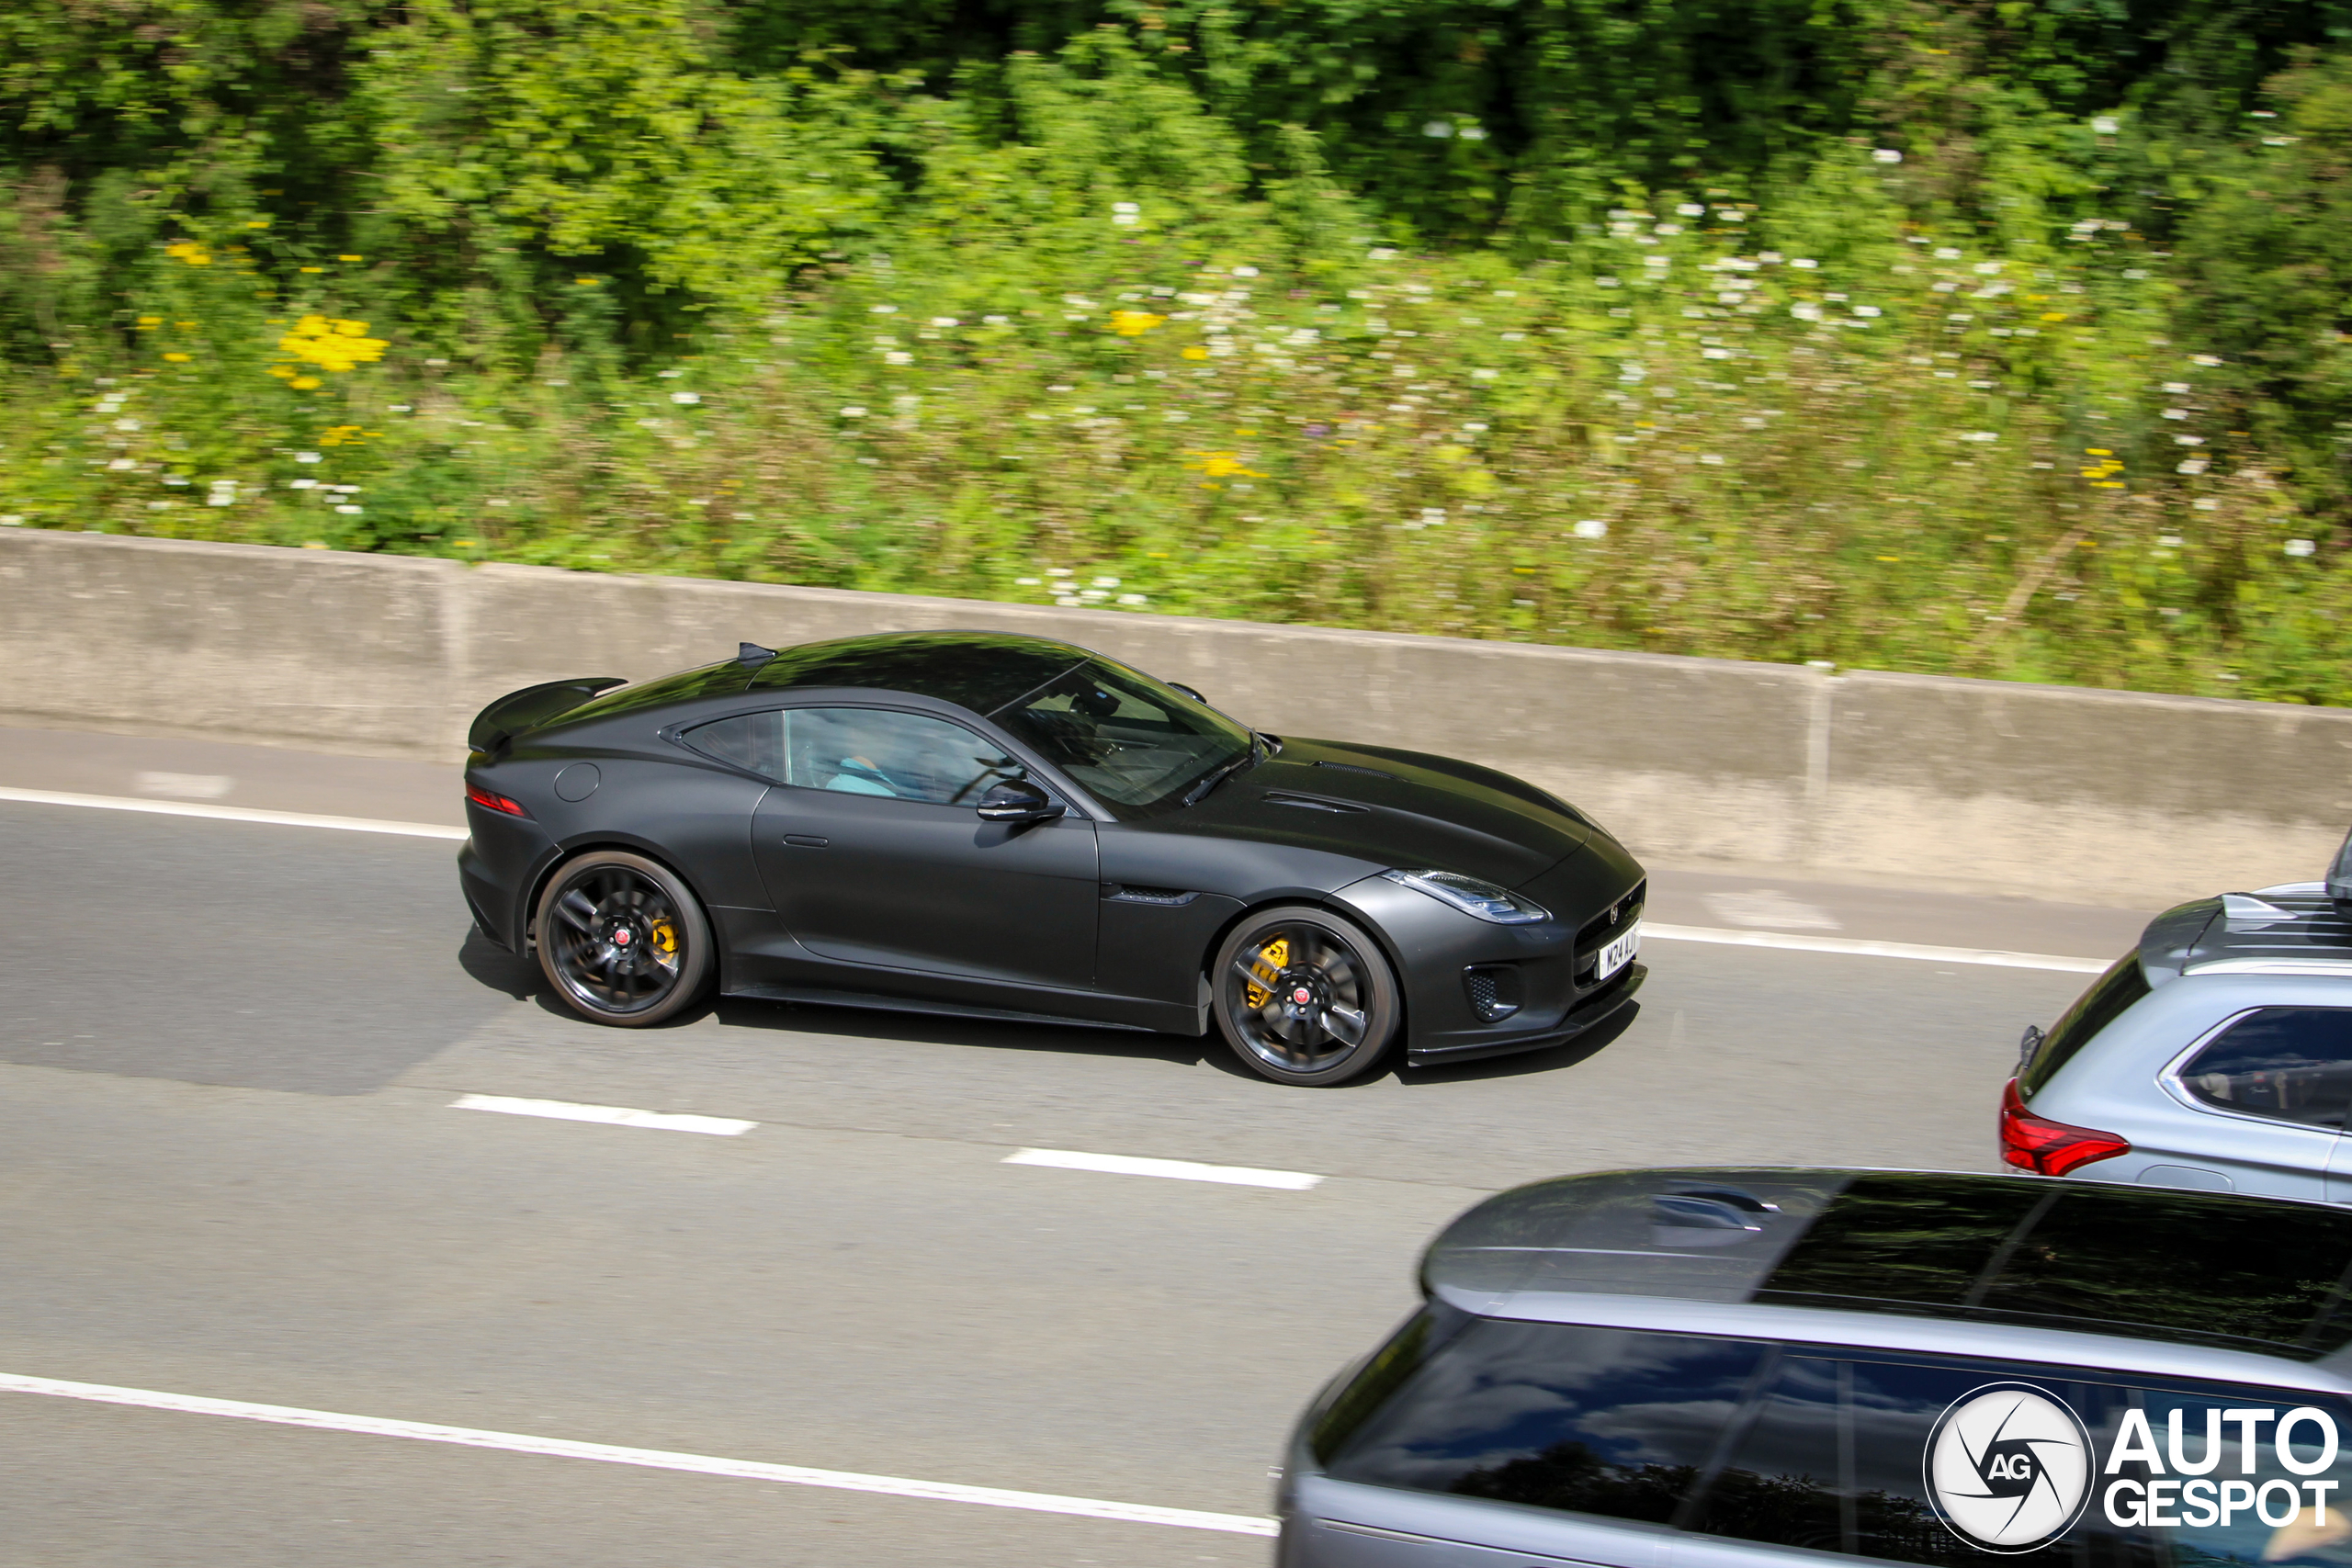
[806, 841]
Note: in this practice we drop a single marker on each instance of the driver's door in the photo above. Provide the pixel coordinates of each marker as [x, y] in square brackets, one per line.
[873, 853]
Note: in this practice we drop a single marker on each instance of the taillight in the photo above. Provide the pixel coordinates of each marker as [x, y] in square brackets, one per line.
[2050, 1149]
[491, 801]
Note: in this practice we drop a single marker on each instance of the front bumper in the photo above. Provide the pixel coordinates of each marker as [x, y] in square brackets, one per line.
[1604, 1002]
[1455, 968]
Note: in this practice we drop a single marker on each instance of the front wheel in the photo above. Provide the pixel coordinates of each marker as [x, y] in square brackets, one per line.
[621, 938]
[1304, 997]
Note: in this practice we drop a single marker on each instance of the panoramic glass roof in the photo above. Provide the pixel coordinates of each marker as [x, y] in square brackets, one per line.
[2091, 1257]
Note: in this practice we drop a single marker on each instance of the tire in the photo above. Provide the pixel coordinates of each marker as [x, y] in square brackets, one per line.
[1273, 955]
[622, 940]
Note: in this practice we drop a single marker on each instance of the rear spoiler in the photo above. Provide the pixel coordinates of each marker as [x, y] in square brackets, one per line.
[532, 706]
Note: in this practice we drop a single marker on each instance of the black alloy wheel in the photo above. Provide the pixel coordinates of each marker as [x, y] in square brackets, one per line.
[1304, 997]
[621, 938]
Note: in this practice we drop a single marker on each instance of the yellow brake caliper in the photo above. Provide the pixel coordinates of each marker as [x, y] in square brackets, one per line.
[665, 940]
[1270, 960]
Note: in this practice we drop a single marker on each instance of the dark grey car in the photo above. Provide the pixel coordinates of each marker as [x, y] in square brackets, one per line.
[1716, 1369]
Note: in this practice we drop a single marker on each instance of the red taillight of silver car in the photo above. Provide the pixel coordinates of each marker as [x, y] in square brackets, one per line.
[2051, 1148]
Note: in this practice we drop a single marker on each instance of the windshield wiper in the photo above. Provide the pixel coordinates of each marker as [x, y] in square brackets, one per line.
[1200, 790]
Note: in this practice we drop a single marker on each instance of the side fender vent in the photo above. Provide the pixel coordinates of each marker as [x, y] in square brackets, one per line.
[1128, 893]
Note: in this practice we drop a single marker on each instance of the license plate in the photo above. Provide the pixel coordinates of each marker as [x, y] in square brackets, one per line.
[1619, 953]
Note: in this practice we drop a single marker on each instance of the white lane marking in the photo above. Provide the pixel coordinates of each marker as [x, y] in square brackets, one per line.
[612, 1115]
[1769, 908]
[188, 786]
[233, 813]
[1663, 932]
[650, 1459]
[1176, 1169]
[1880, 949]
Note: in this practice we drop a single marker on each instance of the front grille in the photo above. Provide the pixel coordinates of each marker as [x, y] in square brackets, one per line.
[1603, 929]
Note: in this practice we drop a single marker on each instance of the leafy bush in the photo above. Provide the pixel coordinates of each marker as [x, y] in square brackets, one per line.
[1926, 341]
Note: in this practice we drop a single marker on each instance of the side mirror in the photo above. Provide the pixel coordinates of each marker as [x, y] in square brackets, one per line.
[1018, 800]
[1178, 685]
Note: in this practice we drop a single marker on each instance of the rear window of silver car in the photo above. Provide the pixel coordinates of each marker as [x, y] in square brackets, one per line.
[2108, 997]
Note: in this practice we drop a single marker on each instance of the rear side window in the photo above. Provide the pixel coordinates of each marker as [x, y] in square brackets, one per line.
[2106, 1001]
[750, 741]
[2291, 1064]
[1590, 1420]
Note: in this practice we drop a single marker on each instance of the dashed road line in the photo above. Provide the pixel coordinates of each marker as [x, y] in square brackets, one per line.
[1174, 1170]
[648, 1458]
[233, 813]
[1989, 957]
[611, 1115]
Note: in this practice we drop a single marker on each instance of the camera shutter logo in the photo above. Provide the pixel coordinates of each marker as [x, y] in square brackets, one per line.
[2008, 1467]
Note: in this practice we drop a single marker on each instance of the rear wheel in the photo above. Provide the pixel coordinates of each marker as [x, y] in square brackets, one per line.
[1304, 997]
[622, 940]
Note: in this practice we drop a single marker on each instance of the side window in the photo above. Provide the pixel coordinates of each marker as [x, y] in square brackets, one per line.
[754, 741]
[1890, 1459]
[2294, 1064]
[1590, 1420]
[1838, 1455]
[905, 756]
[2231, 1476]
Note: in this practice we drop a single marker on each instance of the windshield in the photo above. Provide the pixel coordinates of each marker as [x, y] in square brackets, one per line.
[1137, 745]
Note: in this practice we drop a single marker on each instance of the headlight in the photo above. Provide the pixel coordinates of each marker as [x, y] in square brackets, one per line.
[1472, 897]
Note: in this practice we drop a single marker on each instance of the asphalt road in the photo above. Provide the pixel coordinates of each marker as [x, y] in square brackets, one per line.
[230, 1167]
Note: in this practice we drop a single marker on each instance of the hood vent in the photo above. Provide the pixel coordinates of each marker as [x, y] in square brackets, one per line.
[1311, 802]
[1357, 768]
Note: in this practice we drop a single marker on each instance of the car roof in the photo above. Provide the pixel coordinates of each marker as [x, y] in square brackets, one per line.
[1887, 1248]
[976, 670]
[979, 670]
[2295, 929]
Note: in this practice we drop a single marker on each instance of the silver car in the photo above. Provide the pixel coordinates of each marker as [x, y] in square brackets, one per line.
[1762, 1369]
[2216, 1055]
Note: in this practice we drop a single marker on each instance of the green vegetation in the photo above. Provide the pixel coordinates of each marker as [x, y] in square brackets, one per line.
[2003, 339]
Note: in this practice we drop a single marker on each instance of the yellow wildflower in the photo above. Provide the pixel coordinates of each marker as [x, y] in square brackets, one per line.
[189, 252]
[332, 344]
[1134, 324]
[1196, 353]
[1223, 465]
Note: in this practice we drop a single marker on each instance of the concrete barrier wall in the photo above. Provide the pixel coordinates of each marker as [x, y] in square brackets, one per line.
[2055, 792]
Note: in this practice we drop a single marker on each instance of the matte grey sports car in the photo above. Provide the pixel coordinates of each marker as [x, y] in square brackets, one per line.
[1009, 827]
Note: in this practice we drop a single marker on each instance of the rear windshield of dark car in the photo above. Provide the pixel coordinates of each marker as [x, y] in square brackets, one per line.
[2109, 996]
